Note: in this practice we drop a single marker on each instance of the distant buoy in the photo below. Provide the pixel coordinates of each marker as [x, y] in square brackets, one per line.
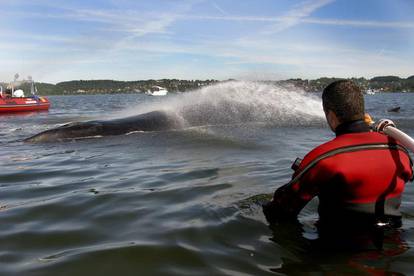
[394, 109]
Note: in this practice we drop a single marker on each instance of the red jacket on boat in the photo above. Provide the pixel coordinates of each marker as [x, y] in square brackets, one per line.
[358, 174]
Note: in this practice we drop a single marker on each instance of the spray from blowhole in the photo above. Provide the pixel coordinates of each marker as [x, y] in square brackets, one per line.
[236, 102]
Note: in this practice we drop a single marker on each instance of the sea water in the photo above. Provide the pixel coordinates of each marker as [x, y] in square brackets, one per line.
[177, 202]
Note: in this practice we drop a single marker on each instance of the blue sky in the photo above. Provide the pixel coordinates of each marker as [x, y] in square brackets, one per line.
[202, 39]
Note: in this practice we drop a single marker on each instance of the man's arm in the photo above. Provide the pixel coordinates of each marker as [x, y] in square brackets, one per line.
[285, 205]
[290, 199]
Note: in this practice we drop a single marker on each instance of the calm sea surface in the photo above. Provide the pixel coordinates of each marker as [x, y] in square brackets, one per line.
[183, 202]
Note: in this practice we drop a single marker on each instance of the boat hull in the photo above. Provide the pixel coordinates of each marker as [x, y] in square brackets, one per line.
[11, 105]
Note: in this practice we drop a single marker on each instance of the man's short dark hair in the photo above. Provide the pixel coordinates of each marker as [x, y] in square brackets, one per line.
[345, 99]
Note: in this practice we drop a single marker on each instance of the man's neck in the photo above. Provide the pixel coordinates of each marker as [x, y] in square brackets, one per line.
[352, 127]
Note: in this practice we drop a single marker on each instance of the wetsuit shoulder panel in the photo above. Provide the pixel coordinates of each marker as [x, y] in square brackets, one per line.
[343, 141]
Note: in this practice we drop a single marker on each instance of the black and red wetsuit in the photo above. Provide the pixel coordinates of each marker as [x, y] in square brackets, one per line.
[359, 174]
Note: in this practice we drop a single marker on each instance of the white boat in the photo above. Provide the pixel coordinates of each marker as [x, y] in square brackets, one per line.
[370, 91]
[157, 91]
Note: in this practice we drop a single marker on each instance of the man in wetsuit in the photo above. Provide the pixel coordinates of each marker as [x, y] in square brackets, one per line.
[358, 176]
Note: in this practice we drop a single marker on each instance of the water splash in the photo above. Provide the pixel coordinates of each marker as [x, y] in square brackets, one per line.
[241, 102]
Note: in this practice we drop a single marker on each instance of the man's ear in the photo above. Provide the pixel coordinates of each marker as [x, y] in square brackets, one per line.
[332, 119]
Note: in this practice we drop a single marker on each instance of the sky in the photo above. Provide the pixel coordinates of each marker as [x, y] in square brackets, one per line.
[62, 40]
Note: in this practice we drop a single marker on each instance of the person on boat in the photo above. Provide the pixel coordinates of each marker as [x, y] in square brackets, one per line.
[8, 93]
[358, 176]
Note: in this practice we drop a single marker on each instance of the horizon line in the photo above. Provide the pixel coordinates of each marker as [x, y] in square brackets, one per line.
[219, 80]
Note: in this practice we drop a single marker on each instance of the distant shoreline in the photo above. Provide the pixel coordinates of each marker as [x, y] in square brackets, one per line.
[385, 84]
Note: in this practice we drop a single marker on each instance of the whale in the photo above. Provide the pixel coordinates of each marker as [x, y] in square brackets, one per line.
[151, 121]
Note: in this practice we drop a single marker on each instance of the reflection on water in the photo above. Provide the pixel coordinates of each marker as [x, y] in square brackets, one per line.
[173, 202]
[368, 252]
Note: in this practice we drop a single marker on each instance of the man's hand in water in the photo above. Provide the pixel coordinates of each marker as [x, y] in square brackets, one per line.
[285, 205]
[269, 210]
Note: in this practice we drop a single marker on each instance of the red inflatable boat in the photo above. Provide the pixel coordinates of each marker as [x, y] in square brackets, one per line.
[24, 104]
[12, 99]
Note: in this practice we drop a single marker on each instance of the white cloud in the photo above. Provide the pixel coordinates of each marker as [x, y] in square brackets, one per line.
[360, 23]
[295, 16]
[217, 7]
[307, 20]
[128, 21]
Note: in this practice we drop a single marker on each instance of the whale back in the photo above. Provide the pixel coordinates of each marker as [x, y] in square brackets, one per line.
[151, 121]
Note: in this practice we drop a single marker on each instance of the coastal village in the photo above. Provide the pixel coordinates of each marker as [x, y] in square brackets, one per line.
[385, 84]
